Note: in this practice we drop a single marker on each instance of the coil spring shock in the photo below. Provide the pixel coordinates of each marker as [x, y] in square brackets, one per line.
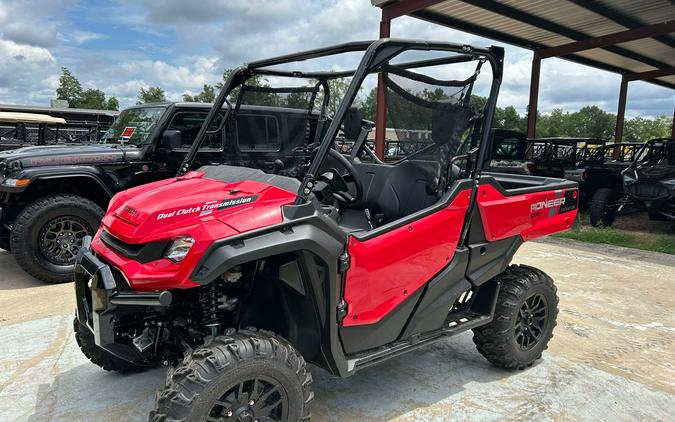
[212, 311]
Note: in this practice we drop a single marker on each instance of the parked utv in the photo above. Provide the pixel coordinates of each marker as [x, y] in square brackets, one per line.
[344, 262]
[603, 178]
[52, 196]
[648, 185]
[509, 152]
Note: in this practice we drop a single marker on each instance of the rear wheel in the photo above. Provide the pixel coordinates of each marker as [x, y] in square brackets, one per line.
[48, 234]
[527, 307]
[241, 376]
[602, 210]
[99, 356]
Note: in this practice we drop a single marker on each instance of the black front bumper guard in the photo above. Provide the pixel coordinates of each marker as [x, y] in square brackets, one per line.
[99, 302]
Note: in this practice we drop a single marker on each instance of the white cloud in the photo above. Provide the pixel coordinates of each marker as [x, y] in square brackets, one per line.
[81, 37]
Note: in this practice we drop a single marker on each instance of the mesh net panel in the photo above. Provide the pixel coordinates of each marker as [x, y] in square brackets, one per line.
[425, 111]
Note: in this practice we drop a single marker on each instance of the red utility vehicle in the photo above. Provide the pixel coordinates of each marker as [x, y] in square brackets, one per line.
[342, 261]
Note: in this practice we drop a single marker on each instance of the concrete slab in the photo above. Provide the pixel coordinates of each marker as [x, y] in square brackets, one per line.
[611, 358]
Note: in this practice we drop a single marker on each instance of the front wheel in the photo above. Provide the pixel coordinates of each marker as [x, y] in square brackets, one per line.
[602, 209]
[48, 233]
[243, 375]
[527, 307]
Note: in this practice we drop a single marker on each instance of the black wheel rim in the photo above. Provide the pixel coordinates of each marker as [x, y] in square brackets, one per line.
[61, 239]
[260, 399]
[531, 321]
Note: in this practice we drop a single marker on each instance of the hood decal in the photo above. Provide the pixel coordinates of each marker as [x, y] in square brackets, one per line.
[208, 207]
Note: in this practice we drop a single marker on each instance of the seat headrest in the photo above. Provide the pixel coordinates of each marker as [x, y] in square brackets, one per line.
[352, 123]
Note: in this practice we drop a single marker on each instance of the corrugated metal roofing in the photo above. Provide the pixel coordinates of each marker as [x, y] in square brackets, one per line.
[535, 24]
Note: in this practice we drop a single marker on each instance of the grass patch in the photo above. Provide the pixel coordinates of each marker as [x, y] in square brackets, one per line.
[646, 241]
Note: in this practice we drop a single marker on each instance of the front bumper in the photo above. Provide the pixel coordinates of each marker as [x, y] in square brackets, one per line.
[101, 301]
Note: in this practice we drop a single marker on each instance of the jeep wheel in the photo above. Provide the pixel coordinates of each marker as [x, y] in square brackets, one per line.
[241, 376]
[527, 307]
[48, 233]
[100, 357]
[602, 210]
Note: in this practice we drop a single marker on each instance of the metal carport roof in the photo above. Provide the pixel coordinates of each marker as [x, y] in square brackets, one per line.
[629, 37]
[536, 24]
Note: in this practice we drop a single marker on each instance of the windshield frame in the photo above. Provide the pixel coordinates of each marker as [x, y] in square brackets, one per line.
[376, 54]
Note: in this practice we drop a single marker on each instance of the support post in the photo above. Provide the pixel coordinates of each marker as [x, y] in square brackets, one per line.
[381, 106]
[621, 111]
[672, 129]
[534, 96]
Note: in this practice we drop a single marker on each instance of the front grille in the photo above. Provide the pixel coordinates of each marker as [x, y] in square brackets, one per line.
[120, 280]
[142, 252]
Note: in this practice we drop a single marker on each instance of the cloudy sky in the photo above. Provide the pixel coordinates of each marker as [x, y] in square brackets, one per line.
[120, 46]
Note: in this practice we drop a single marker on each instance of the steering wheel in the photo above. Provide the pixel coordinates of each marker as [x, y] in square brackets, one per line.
[341, 185]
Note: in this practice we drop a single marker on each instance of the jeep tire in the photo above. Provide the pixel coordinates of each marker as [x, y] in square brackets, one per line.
[601, 210]
[48, 233]
[242, 375]
[85, 339]
[525, 315]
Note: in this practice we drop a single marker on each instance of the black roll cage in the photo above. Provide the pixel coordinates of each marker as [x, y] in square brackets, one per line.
[376, 53]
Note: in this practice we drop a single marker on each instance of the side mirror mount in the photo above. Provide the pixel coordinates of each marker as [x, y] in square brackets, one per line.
[172, 139]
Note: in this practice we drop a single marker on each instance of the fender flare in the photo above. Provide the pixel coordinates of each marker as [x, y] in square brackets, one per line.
[222, 256]
[90, 176]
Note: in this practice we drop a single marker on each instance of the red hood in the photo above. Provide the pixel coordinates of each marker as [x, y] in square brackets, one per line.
[176, 207]
[204, 209]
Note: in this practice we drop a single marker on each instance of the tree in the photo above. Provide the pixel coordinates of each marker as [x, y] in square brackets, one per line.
[70, 89]
[92, 99]
[113, 104]
[208, 95]
[153, 94]
[337, 88]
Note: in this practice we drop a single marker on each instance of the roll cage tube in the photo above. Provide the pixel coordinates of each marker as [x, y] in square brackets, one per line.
[376, 53]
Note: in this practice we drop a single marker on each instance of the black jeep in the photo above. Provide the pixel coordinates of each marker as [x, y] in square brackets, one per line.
[52, 196]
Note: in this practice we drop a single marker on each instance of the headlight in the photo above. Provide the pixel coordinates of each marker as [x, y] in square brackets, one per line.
[15, 183]
[179, 249]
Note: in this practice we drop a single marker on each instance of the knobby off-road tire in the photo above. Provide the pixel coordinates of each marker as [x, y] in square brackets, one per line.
[601, 210]
[242, 375]
[100, 357]
[66, 218]
[522, 288]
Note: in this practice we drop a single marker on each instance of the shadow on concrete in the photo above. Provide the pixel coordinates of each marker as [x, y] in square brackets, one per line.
[13, 277]
[413, 381]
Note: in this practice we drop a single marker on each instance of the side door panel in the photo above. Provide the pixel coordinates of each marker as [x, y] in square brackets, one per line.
[387, 269]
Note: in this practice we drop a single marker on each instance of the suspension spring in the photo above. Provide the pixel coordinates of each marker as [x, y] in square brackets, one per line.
[211, 305]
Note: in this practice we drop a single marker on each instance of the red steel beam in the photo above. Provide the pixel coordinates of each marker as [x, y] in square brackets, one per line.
[648, 31]
[534, 97]
[620, 113]
[381, 105]
[405, 7]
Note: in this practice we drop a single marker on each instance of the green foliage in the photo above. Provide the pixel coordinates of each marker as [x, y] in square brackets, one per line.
[610, 236]
[153, 94]
[70, 89]
[208, 95]
[638, 129]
